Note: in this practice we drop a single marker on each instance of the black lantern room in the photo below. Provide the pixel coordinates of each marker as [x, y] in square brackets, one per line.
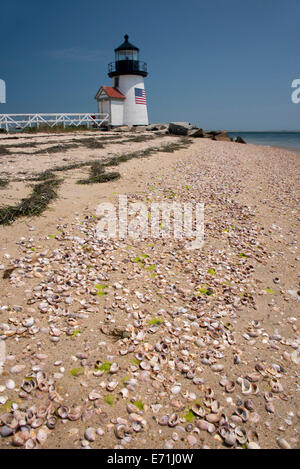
[127, 61]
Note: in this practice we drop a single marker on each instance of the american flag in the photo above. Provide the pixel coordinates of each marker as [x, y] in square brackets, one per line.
[140, 96]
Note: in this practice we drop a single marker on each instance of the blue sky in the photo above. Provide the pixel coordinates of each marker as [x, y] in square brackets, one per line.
[218, 64]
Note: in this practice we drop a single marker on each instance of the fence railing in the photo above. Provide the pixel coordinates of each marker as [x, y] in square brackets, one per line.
[22, 121]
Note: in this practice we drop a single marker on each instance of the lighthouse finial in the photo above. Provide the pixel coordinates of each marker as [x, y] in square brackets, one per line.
[126, 37]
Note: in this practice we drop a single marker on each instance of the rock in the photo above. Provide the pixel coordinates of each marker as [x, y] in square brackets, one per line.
[179, 128]
[197, 133]
[122, 128]
[152, 127]
[239, 140]
[222, 136]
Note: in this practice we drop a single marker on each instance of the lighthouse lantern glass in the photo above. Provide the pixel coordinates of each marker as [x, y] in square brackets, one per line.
[127, 55]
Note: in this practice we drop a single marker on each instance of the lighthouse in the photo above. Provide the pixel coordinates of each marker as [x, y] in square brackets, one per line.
[125, 101]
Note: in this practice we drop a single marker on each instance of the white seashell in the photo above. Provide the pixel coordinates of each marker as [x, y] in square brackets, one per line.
[17, 369]
[295, 356]
[28, 322]
[283, 443]
[217, 367]
[41, 436]
[3, 400]
[176, 389]
[111, 385]
[90, 434]
[253, 445]
[10, 384]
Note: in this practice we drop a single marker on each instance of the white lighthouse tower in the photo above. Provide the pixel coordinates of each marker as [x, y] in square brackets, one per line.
[125, 101]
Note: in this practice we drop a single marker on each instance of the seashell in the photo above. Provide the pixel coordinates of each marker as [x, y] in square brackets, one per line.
[145, 365]
[223, 381]
[230, 387]
[295, 356]
[137, 427]
[41, 377]
[42, 412]
[215, 406]
[43, 386]
[37, 422]
[228, 437]
[204, 425]
[30, 444]
[253, 377]
[217, 367]
[51, 422]
[114, 368]
[41, 436]
[254, 417]
[246, 386]
[75, 413]
[213, 418]
[249, 405]
[63, 412]
[111, 386]
[192, 440]
[124, 392]
[90, 434]
[103, 417]
[260, 368]
[176, 389]
[164, 420]
[270, 407]
[6, 431]
[17, 369]
[93, 395]
[30, 415]
[198, 410]
[29, 385]
[131, 408]
[121, 431]
[268, 396]
[98, 403]
[173, 420]
[20, 438]
[10, 384]
[276, 385]
[242, 413]
[28, 322]
[283, 444]
[241, 435]
[209, 393]
[252, 435]
[252, 445]
[136, 418]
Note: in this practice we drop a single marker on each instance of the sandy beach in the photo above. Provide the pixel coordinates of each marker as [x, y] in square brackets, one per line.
[143, 343]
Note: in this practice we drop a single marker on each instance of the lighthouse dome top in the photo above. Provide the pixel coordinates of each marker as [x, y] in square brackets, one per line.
[126, 45]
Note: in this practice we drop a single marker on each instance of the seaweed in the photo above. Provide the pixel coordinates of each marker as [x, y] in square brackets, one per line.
[37, 202]
[98, 175]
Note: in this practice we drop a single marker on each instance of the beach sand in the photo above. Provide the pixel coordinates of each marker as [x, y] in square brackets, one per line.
[206, 342]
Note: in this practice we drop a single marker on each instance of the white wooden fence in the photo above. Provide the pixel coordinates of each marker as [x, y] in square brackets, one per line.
[21, 121]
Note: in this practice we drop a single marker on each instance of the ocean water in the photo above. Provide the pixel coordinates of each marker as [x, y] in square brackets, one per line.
[276, 139]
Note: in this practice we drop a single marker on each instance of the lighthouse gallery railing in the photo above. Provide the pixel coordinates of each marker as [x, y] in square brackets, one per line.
[22, 121]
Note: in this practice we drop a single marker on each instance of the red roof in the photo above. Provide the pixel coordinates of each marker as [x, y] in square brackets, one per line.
[113, 92]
